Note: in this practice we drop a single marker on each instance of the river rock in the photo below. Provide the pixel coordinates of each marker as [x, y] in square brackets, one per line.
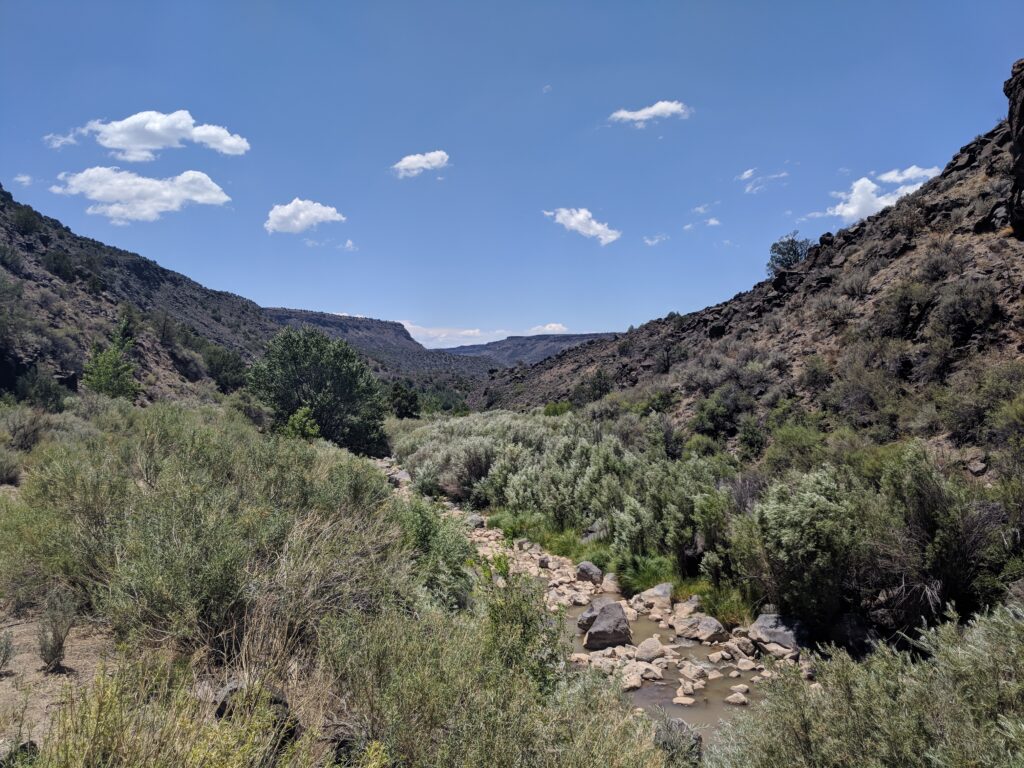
[745, 665]
[774, 628]
[706, 629]
[740, 688]
[610, 628]
[684, 701]
[587, 571]
[610, 584]
[649, 650]
[685, 609]
[544, 561]
[692, 672]
[659, 596]
[586, 618]
[737, 699]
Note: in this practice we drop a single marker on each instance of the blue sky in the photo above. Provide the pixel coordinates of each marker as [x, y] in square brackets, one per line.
[521, 202]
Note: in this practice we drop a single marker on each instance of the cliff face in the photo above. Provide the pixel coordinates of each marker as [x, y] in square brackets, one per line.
[1014, 90]
[950, 237]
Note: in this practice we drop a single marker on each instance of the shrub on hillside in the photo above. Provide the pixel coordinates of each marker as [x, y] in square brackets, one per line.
[304, 368]
[55, 626]
[786, 253]
[110, 371]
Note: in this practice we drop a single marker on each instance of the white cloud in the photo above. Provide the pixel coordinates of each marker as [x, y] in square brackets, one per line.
[414, 165]
[661, 109]
[912, 173]
[702, 208]
[687, 227]
[123, 196]
[349, 246]
[582, 221]
[24, 179]
[549, 328]
[546, 89]
[758, 184]
[56, 140]
[138, 137]
[658, 238]
[749, 173]
[433, 337]
[299, 215]
[713, 222]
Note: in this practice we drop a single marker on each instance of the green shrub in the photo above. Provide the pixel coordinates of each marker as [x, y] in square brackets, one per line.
[405, 402]
[55, 626]
[10, 467]
[799, 545]
[786, 253]
[109, 371]
[962, 309]
[225, 367]
[958, 701]
[901, 311]
[39, 388]
[557, 408]
[301, 426]
[304, 368]
[6, 650]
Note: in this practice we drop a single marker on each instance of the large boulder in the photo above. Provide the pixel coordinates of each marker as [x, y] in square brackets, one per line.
[587, 571]
[778, 629]
[1014, 90]
[586, 618]
[610, 628]
[703, 628]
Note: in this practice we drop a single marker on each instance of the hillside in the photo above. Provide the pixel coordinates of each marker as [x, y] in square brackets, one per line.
[63, 293]
[528, 349]
[897, 303]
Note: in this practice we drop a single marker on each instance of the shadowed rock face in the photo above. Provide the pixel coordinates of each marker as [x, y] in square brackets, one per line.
[1014, 90]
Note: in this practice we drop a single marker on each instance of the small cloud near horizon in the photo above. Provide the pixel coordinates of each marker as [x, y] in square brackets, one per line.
[299, 215]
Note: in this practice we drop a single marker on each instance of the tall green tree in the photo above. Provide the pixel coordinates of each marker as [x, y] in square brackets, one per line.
[405, 401]
[303, 368]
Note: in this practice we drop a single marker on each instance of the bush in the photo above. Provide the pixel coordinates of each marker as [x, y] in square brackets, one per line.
[557, 408]
[55, 626]
[405, 402]
[39, 388]
[959, 700]
[962, 309]
[301, 425]
[225, 367]
[6, 650]
[786, 253]
[109, 371]
[304, 368]
[10, 467]
[799, 545]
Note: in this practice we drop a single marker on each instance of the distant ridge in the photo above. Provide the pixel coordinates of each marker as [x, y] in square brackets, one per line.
[528, 349]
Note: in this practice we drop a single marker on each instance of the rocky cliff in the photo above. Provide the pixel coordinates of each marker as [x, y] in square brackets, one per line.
[926, 288]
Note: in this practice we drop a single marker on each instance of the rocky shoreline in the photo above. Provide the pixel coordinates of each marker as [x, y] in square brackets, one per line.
[649, 639]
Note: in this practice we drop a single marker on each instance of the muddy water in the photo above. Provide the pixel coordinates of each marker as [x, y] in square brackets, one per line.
[655, 696]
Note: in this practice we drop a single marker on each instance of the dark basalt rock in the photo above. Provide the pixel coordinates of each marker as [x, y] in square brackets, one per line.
[1014, 90]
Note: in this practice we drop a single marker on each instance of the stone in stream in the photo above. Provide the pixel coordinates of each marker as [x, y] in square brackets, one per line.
[659, 596]
[685, 609]
[736, 699]
[692, 672]
[773, 628]
[683, 701]
[587, 571]
[706, 629]
[587, 617]
[609, 629]
[745, 665]
[610, 584]
[649, 650]
[740, 688]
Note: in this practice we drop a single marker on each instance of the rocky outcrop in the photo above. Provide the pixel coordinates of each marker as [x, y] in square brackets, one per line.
[1014, 90]
[771, 628]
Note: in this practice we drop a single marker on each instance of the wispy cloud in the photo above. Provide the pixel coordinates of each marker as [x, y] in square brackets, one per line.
[687, 227]
[911, 173]
[656, 239]
[139, 137]
[439, 337]
[549, 328]
[414, 165]
[757, 184]
[24, 179]
[582, 221]
[702, 208]
[300, 215]
[747, 174]
[123, 196]
[713, 222]
[656, 111]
